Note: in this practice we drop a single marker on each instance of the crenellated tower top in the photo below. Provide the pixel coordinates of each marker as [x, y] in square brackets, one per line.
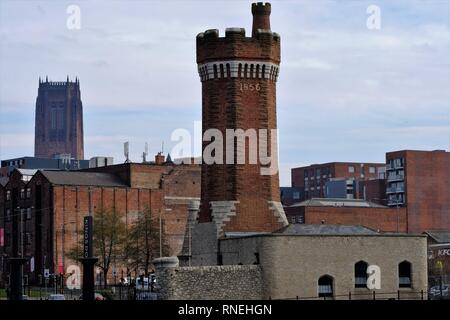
[238, 56]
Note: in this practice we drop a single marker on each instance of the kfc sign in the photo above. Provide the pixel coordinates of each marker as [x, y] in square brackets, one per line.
[444, 252]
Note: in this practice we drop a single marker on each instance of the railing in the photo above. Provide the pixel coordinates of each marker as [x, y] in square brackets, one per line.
[395, 202]
[374, 295]
[393, 177]
[395, 189]
[110, 292]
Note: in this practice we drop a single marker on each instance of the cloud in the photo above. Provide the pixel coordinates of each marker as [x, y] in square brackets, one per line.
[344, 92]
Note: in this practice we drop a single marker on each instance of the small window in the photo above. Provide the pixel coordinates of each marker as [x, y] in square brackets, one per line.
[8, 214]
[351, 169]
[22, 213]
[404, 274]
[28, 193]
[325, 286]
[296, 195]
[22, 193]
[8, 195]
[28, 213]
[371, 169]
[28, 238]
[361, 274]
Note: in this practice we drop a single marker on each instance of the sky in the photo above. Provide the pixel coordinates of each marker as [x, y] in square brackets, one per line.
[345, 92]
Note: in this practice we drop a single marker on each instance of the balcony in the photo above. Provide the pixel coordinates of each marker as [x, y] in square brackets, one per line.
[395, 189]
[399, 202]
[394, 166]
[396, 177]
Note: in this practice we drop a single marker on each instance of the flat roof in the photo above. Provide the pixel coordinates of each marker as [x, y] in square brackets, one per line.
[337, 202]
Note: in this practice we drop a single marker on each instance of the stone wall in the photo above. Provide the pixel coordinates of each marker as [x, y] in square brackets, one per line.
[292, 264]
[210, 283]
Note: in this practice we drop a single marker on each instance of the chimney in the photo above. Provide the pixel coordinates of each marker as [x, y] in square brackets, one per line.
[261, 16]
[159, 158]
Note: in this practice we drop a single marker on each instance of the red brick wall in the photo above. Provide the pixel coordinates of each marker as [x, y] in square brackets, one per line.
[71, 204]
[373, 190]
[427, 185]
[226, 106]
[383, 219]
[62, 208]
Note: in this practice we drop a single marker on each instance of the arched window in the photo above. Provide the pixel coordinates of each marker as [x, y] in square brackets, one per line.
[404, 274]
[257, 71]
[215, 71]
[263, 71]
[251, 70]
[246, 71]
[325, 286]
[361, 274]
[228, 71]
[240, 71]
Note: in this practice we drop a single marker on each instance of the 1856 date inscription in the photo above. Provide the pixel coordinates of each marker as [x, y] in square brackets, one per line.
[249, 87]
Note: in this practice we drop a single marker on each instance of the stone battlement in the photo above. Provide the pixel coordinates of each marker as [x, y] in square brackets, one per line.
[263, 45]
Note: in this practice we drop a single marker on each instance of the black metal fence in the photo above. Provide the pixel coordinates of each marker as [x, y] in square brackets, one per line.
[374, 295]
[110, 292]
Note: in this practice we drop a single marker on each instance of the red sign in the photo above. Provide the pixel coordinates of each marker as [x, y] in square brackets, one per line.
[2, 237]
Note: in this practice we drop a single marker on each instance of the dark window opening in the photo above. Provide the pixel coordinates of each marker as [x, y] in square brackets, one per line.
[404, 274]
[361, 274]
[325, 286]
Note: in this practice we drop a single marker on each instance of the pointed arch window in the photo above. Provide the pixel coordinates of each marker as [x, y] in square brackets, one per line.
[404, 275]
[325, 286]
[361, 274]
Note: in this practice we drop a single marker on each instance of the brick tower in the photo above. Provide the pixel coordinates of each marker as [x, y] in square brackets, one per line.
[238, 76]
[59, 120]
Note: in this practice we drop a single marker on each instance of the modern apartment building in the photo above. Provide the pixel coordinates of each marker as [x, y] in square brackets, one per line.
[314, 178]
[420, 181]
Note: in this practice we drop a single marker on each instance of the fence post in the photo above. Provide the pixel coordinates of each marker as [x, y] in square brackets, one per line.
[297, 297]
[421, 294]
[373, 293]
[398, 294]
[349, 295]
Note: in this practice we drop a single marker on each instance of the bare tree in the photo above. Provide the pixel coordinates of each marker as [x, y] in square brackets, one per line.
[108, 240]
[145, 241]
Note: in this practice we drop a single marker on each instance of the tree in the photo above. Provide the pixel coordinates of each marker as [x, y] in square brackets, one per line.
[108, 240]
[143, 241]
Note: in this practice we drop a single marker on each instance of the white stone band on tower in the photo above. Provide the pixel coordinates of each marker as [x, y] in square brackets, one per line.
[238, 69]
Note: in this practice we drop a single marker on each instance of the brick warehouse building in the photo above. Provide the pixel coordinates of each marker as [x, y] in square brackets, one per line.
[416, 191]
[313, 178]
[238, 76]
[59, 120]
[53, 204]
[348, 212]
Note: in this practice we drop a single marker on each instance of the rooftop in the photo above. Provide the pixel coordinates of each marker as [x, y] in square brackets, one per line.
[334, 202]
[439, 236]
[80, 178]
[324, 229]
